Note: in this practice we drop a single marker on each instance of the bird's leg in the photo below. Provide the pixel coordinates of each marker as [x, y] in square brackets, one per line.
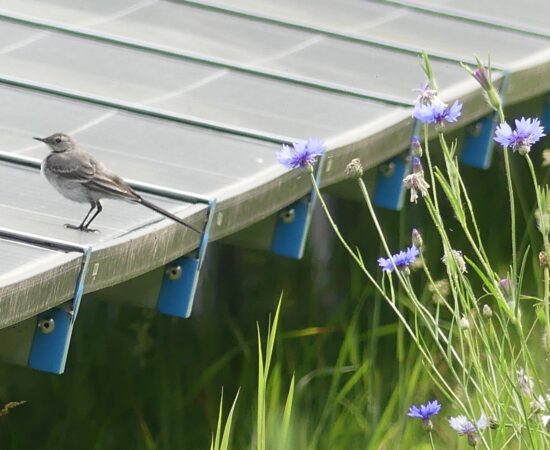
[98, 210]
[81, 227]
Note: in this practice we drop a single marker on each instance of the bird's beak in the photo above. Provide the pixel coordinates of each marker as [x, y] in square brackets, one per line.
[40, 139]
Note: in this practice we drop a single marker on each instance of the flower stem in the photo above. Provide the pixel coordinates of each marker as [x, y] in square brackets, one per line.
[544, 230]
[431, 440]
[512, 217]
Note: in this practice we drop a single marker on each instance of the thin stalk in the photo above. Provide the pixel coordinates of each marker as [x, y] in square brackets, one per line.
[512, 216]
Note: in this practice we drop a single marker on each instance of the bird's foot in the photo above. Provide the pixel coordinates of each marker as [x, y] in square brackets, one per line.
[81, 228]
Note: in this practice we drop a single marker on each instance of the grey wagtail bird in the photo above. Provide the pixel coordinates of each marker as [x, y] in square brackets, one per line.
[80, 177]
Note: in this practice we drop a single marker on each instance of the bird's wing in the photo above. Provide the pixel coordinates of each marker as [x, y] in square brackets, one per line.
[70, 168]
[112, 186]
[106, 182]
[81, 167]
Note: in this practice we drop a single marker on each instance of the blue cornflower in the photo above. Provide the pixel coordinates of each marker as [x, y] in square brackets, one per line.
[401, 260]
[527, 132]
[424, 412]
[437, 112]
[302, 154]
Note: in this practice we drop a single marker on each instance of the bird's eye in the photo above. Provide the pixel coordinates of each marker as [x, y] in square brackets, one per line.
[57, 140]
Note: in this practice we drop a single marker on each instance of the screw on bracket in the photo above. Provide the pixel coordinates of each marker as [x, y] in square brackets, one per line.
[46, 325]
[174, 272]
[388, 169]
[288, 215]
[475, 129]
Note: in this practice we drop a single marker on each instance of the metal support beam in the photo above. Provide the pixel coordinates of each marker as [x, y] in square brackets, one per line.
[42, 342]
[478, 143]
[545, 117]
[50, 343]
[289, 237]
[292, 226]
[54, 328]
[389, 191]
[181, 276]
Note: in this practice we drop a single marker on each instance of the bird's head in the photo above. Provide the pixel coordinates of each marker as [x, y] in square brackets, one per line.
[59, 142]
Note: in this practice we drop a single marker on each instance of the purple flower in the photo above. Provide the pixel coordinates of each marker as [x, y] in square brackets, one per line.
[483, 77]
[527, 132]
[505, 283]
[424, 412]
[401, 260]
[302, 154]
[462, 425]
[437, 112]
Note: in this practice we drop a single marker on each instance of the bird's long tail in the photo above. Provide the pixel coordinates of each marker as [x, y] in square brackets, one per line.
[165, 213]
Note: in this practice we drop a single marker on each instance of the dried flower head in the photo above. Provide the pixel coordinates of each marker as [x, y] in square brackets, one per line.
[457, 258]
[354, 169]
[540, 404]
[416, 147]
[464, 323]
[415, 181]
[440, 290]
[426, 95]
[525, 382]
[416, 238]
[487, 311]
[493, 422]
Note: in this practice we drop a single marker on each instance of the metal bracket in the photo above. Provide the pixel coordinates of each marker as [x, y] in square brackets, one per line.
[52, 336]
[51, 340]
[478, 144]
[292, 226]
[389, 191]
[42, 342]
[181, 276]
[545, 117]
[289, 237]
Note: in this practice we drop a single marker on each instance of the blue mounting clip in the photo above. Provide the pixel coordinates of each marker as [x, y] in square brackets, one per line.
[289, 237]
[292, 226]
[545, 118]
[389, 191]
[181, 276]
[50, 343]
[479, 144]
